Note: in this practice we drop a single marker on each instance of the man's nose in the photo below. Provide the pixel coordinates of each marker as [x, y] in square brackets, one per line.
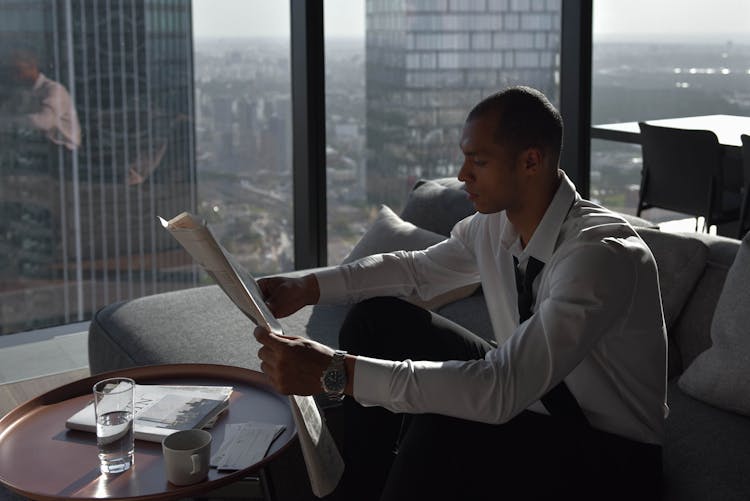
[464, 171]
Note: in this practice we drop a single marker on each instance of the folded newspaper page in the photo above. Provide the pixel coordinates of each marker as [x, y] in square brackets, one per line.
[322, 458]
[196, 238]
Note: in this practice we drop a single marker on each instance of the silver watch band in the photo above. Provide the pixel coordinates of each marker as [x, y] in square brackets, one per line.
[334, 378]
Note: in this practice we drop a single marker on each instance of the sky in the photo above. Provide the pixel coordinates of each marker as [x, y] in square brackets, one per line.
[616, 19]
[718, 19]
[270, 18]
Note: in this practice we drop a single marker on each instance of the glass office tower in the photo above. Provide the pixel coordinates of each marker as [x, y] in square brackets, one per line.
[79, 224]
[429, 61]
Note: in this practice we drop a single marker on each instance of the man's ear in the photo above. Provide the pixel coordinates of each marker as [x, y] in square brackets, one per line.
[532, 159]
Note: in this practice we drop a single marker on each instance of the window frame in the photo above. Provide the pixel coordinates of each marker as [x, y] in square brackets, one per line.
[308, 111]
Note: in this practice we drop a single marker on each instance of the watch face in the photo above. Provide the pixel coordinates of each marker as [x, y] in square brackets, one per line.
[334, 381]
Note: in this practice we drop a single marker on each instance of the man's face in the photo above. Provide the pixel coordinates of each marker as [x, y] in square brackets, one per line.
[24, 72]
[490, 171]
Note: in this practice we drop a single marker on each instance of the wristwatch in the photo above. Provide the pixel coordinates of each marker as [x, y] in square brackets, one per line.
[334, 377]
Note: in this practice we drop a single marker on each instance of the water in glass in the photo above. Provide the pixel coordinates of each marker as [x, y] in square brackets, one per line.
[114, 436]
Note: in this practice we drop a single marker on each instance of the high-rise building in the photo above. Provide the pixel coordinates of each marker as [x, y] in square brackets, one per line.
[429, 61]
[79, 226]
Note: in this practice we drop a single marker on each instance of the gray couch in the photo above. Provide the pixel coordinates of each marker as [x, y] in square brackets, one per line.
[706, 451]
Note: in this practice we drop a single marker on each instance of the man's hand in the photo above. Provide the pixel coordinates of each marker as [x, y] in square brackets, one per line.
[293, 364]
[284, 296]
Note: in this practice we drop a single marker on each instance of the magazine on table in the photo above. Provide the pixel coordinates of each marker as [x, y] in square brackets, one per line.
[322, 458]
[162, 409]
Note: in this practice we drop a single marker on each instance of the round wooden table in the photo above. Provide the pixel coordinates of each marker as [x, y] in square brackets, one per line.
[43, 460]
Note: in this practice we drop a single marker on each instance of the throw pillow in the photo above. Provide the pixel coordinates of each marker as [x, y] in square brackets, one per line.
[390, 233]
[720, 376]
[437, 207]
[680, 261]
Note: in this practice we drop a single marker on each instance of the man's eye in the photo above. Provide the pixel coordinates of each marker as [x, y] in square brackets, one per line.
[480, 162]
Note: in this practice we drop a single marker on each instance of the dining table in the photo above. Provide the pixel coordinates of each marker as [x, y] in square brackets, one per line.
[728, 130]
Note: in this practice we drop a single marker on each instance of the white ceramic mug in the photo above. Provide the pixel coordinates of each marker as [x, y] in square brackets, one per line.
[187, 455]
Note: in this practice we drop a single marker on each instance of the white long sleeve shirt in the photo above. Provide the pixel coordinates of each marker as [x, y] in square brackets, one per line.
[56, 114]
[597, 321]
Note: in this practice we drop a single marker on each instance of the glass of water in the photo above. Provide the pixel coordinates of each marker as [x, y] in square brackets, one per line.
[114, 404]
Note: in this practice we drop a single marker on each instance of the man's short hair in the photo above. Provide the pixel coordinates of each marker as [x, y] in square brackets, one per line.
[524, 118]
[23, 53]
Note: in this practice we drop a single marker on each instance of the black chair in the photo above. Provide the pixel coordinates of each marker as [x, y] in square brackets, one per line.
[744, 225]
[682, 172]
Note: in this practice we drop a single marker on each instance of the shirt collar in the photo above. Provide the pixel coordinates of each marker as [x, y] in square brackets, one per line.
[542, 243]
[39, 81]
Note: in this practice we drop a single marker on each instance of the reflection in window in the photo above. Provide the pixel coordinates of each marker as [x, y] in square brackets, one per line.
[172, 115]
[96, 141]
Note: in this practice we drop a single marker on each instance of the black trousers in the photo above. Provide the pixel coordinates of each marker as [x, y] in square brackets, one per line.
[426, 456]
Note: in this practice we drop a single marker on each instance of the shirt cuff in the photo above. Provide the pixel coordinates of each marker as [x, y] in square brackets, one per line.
[331, 285]
[372, 378]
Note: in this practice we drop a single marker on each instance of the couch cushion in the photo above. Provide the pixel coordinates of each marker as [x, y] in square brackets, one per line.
[680, 260]
[721, 375]
[705, 451]
[390, 233]
[692, 332]
[437, 205]
[164, 328]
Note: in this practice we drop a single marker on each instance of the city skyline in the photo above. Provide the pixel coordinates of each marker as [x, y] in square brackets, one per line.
[81, 230]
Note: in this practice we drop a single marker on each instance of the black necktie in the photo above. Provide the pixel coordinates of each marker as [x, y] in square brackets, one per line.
[524, 285]
[558, 401]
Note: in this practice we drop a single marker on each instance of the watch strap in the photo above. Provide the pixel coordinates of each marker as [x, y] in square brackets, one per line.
[337, 370]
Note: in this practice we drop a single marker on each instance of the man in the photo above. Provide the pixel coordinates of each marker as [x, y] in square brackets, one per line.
[571, 402]
[44, 105]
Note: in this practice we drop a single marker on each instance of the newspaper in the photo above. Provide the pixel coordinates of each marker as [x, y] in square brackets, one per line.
[322, 458]
[160, 410]
[245, 444]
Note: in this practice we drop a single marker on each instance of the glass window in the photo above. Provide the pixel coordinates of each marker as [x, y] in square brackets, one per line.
[481, 41]
[644, 68]
[449, 60]
[114, 112]
[400, 79]
[427, 61]
[468, 5]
